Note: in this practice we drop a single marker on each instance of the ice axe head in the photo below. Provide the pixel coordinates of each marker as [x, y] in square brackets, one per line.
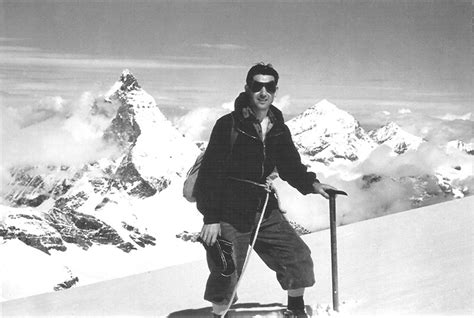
[334, 192]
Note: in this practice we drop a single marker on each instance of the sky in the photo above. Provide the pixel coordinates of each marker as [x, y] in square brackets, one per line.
[364, 56]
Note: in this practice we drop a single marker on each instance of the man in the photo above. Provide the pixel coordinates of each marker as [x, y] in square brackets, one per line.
[230, 199]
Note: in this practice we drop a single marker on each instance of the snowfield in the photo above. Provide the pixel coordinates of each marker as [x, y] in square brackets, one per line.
[414, 262]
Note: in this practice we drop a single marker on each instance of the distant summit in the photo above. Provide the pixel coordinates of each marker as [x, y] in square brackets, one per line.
[152, 154]
[326, 133]
[127, 124]
[126, 83]
[460, 145]
[154, 150]
[396, 138]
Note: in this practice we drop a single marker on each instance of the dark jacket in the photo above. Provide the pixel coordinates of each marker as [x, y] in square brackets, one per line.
[220, 198]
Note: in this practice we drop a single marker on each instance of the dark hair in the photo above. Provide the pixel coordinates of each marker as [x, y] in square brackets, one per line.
[261, 68]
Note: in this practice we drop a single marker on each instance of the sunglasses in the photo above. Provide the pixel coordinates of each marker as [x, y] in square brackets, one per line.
[256, 86]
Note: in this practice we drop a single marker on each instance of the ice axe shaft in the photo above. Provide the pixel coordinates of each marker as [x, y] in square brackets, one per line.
[332, 224]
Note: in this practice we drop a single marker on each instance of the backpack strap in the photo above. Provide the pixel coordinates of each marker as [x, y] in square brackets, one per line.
[233, 133]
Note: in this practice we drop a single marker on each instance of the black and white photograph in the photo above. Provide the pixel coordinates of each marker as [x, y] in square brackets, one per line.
[286, 159]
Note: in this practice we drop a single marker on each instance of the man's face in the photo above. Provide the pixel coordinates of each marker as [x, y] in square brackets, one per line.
[261, 91]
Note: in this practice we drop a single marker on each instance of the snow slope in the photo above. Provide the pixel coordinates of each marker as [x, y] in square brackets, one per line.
[25, 271]
[414, 262]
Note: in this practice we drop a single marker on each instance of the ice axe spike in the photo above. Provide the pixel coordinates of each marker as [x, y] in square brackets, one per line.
[332, 224]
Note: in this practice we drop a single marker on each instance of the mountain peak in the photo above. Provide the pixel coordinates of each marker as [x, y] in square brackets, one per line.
[126, 83]
[392, 125]
[325, 116]
[392, 135]
[324, 132]
[129, 82]
[327, 113]
[154, 150]
[324, 104]
[385, 132]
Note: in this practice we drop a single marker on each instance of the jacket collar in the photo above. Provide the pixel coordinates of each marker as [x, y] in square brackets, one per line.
[243, 112]
[249, 124]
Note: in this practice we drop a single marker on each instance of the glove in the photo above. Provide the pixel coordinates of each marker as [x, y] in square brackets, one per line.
[221, 255]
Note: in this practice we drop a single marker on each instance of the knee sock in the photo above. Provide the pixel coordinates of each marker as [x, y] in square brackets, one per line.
[295, 302]
[295, 298]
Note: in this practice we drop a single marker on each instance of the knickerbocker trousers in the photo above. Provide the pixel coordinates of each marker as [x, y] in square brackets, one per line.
[278, 246]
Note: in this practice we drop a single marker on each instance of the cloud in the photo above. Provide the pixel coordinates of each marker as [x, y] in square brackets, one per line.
[221, 46]
[9, 39]
[311, 210]
[228, 106]
[46, 108]
[368, 86]
[381, 185]
[56, 133]
[425, 160]
[449, 116]
[16, 48]
[404, 111]
[436, 130]
[283, 102]
[27, 56]
[198, 123]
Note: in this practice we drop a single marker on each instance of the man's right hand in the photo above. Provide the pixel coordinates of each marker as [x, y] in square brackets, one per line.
[210, 232]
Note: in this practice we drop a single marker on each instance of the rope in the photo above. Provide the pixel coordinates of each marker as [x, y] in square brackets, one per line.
[266, 186]
[249, 251]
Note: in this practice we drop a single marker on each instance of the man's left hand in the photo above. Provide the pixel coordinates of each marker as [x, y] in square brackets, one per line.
[320, 188]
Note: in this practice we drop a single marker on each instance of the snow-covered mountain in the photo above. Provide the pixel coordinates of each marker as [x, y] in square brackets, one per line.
[151, 153]
[327, 134]
[460, 145]
[396, 138]
[157, 151]
[115, 202]
[332, 143]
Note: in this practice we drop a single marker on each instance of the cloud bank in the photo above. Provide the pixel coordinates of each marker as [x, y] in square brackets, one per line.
[221, 46]
[55, 132]
[197, 123]
[381, 185]
[30, 56]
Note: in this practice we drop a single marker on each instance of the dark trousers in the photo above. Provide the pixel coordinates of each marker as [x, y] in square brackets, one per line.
[278, 246]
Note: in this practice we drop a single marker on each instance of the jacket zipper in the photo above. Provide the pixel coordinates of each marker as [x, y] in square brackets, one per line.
[263, 161]
[263, 149]
[249, 135]
[264, 152]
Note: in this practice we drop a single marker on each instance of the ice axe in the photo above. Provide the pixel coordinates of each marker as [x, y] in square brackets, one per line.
[332, 224]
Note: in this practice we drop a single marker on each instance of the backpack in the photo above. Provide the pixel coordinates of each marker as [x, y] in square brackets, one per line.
[189, 187]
